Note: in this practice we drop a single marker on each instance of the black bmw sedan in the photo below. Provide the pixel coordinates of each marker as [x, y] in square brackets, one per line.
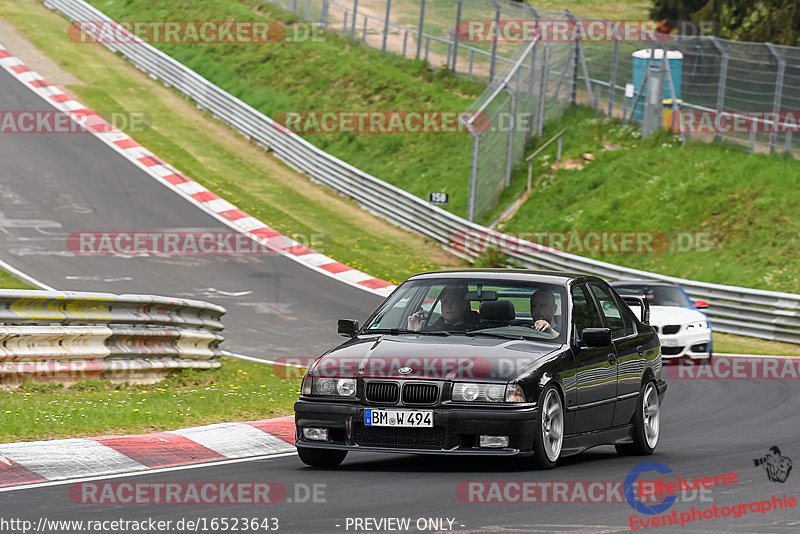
[532, 364]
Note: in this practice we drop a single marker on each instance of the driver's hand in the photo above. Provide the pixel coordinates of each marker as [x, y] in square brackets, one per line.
[415, 321]
[542, 326]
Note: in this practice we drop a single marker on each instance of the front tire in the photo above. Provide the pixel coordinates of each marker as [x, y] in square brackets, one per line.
[646, 424]
[321, 457]
[549, 436]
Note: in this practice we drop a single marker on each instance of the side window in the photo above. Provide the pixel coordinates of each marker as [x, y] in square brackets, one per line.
[619, 324]
[584, 312]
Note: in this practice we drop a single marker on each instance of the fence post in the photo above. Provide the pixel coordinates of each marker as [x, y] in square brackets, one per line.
[493, 66]
[355, 12]
[455, 33]
[386, 25]
[723, 76]
[511, 126]
[531, 92]
[532, 82]
[675, 111]
[543, 90]
[776, 102]
[612, 82]
[308, 9]
[473, 176]
[420, 27]
[573, 84]
[324, 16]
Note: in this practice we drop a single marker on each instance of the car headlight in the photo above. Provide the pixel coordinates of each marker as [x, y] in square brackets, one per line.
[471, 392]
[330, 387]
[699, 325]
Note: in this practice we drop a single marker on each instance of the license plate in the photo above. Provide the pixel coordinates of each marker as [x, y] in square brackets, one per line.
[670, 342]
[407, 418]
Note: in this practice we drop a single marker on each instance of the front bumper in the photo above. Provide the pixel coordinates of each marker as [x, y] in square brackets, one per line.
[686, 344]
[456, 429]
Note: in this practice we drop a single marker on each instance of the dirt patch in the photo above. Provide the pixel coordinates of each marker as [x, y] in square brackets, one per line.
[34, 58]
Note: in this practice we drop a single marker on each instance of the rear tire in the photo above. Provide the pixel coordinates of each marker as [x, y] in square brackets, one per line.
[321, 457]
[646, 424]
[549, 436]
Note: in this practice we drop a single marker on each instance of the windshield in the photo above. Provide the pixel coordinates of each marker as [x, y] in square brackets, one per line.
[507, 309]
[657, 295]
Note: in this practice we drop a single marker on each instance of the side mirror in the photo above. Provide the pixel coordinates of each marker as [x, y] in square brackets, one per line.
[641, 303]
[347, 327]
[700, 304]
[596, 337]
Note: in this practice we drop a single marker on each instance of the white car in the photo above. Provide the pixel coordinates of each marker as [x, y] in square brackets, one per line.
[684, 331]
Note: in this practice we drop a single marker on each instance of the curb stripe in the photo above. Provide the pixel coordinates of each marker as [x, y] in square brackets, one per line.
[170, 177]
[160, 449]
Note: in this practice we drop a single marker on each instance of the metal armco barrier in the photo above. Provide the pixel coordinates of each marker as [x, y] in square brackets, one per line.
[69, 336]
[737, 310]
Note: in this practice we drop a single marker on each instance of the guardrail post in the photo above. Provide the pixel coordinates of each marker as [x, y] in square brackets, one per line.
[455, 34]
[612, 82]
[386, 25]
[420, 27]
[355, 13]
[776, 101]
[723, 77]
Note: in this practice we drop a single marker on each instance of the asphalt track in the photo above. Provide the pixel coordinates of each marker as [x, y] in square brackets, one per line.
[53, 185]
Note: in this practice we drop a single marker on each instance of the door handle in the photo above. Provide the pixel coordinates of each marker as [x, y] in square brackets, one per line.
[640, 350]
[612, 358]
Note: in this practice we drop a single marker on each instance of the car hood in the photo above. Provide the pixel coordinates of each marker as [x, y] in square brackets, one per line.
[413, 356]
[663, 315]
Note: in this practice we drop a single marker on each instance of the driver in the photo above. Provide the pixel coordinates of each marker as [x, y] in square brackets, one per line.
[456, 314]
[543, 310]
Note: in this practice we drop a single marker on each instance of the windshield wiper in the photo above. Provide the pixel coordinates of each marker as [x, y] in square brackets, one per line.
[497, 334]
[393, 331]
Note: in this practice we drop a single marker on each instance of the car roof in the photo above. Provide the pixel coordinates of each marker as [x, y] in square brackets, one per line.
[643, 282]
[548, 277]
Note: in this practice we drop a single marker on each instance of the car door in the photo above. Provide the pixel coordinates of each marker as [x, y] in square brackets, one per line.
[595, 367]
[630, 357]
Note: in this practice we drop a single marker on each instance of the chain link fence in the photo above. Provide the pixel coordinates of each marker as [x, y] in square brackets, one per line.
[529, 82]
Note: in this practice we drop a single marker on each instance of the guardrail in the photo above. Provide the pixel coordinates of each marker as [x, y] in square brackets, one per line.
[69, 336]
[749, 312]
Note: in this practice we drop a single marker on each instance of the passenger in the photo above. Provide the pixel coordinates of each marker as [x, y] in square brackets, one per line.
[456, 314]
[543, 310]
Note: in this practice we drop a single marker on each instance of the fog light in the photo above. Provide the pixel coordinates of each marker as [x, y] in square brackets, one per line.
[494, 442]
[700, 347]
[316, 434]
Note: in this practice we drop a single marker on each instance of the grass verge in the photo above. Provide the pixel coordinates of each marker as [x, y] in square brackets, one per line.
[331, 74]
[239, 390]
[742, 207]
[220, 159]
[9, 281]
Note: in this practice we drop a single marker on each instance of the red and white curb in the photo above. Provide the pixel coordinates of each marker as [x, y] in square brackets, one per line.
[192, 191]
[44, 461]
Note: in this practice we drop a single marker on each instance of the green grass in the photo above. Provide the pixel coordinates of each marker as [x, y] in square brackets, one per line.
[239, 390]
[9, 281]
[338, 74]
[220, 159]
[749, 345]
[746, 202]
[619, 10]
